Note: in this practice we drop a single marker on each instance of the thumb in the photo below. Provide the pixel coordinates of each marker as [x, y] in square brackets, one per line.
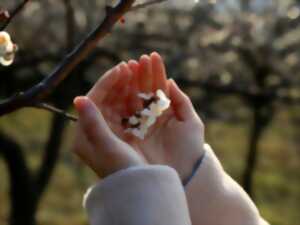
[93, 124]
[182, 105]
[107, 153]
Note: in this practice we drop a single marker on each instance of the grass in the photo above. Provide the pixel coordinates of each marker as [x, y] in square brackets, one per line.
[277, 179]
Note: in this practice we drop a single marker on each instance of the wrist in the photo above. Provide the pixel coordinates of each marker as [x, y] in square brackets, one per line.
[188, 161]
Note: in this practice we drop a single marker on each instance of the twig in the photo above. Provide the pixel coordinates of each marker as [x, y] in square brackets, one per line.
[13, 13]
[40, 91]
[146, 4]
[53, 109]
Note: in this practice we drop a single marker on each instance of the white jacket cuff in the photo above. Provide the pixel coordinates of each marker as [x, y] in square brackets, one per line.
[214, 198]
[148, 195]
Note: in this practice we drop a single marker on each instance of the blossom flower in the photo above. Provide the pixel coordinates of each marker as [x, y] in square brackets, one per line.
[7, 49]
[144, 119]
[145, 96]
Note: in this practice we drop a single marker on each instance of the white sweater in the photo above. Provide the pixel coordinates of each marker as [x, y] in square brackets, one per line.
[154, 195]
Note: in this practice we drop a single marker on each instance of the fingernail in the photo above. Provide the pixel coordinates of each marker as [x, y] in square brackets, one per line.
[156, 54]
[144, 57]
[172, 80]
[123, 63]
[132, 61]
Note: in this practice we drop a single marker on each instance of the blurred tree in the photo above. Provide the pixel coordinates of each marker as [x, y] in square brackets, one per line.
[214, 49]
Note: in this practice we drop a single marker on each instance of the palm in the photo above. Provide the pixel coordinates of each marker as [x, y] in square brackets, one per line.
[116, 97]
[165, 145]
[120, 100]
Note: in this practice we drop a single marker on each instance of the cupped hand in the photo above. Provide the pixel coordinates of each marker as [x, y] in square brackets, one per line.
[97, 145]
[177, 138]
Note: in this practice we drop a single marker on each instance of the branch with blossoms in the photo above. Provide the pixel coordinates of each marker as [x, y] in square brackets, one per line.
[34, 96]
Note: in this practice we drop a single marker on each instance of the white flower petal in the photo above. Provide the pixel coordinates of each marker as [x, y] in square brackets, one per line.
[133, 120]
[6, 62]
[161, 94]
[138, 133]
[155, 109]
[10, 47]
[145, 96]
[149, 115]
[163, 104]
[7, 49]
[148, 121]
[147, 112]
[4, 38]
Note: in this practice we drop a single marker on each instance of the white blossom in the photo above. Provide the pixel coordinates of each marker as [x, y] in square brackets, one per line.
[7, 49]
[148, 121]
[145, 96]
[163, 102]
[133, 120]
[148, 115]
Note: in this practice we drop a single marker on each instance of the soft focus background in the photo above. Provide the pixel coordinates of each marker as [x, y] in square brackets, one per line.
[238, 60]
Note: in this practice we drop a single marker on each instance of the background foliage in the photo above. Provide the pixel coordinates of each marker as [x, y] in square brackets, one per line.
[237, 60]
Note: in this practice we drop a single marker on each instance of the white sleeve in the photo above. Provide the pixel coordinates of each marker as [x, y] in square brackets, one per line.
[214, 198]
[149, 195]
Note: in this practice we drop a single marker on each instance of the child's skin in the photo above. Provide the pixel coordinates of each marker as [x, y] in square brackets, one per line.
[175, 140]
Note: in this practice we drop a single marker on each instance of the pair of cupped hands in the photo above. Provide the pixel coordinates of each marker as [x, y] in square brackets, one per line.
[175, 140]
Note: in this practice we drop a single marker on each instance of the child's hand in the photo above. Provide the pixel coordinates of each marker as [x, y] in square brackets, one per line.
[97, 145]
[177, 138]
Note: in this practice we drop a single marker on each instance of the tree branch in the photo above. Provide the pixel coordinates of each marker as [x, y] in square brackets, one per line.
[13, 13]
[51, 108]
[40, 91]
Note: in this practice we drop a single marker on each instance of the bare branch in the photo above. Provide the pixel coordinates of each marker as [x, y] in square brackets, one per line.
[53, 109]
[13, 13]
[40, 91]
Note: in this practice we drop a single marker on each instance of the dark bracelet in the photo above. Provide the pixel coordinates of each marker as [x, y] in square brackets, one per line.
[187, 180]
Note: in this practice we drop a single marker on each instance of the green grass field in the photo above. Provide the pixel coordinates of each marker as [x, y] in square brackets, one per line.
[277, 180]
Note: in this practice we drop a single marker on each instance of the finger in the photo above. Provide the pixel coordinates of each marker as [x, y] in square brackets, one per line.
[134, 66]
[122, 95]
[134, 103]
[159, 72]
[93, 124]
[119, 87]
[104, 85]
[145, 74]
[181, 103]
